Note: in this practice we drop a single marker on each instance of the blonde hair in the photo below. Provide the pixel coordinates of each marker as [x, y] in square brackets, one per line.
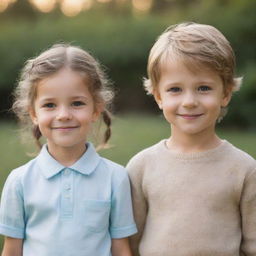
[51, 61]
[196, 44]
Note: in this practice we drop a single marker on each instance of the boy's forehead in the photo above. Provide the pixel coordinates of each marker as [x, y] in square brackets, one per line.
[192, 64]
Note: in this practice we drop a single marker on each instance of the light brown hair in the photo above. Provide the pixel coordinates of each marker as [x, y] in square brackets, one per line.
[51, 61]
[197, 44]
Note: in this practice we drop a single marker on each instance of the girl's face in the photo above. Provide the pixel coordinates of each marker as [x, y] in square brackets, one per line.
[191, 101]
[64, 111]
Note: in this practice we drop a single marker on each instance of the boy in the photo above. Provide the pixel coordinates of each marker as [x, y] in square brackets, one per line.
[194, 194]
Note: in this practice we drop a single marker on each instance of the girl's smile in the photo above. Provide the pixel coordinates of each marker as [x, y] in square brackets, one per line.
[64, 111]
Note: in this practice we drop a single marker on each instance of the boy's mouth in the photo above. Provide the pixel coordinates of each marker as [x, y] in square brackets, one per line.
[190, 116]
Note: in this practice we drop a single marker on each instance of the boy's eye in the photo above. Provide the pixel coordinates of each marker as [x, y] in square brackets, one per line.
[174, 89]
[49, 105]
[204, 88]
[78, 103]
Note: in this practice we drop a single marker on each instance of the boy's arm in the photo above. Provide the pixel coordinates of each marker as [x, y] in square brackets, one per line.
[248, 215]
[121, 247]
[12, 247]
[140, 208]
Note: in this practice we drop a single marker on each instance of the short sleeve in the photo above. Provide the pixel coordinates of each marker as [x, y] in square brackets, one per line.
[12, 221]
[121, 217]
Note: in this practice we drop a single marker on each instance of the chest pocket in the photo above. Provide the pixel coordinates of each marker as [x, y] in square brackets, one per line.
[97, 215]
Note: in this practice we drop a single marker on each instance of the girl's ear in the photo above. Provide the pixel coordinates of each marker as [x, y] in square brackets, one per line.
[33, 116]
[99, 108]
[157, 98]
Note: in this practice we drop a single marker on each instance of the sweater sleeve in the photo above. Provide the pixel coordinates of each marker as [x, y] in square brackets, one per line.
[135, 171]
[248, 214]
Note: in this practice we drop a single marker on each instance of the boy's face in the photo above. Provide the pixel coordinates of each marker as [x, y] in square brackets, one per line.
[191, 100]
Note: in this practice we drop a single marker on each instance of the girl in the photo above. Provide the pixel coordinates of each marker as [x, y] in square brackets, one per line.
[68, 200]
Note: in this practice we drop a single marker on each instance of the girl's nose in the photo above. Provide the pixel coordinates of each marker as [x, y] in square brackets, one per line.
[64, 114]
[190, 100]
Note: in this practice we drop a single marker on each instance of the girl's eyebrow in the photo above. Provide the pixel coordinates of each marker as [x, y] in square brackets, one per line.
[47, 99]
[79, 98]
[72, 98]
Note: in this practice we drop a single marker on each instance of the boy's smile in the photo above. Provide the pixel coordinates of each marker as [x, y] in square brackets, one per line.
[191, 100]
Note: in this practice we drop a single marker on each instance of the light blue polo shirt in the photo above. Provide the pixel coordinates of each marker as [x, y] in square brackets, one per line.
[73, 211]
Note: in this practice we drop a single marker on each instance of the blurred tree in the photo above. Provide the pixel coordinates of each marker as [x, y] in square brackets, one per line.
[22, 9]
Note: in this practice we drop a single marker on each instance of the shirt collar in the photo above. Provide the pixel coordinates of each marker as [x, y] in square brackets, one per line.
[85, 165]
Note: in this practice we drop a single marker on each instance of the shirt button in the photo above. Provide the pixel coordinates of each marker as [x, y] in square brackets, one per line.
[67, 186]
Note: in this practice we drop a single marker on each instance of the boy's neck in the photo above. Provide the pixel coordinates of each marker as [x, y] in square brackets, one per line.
[193, 144]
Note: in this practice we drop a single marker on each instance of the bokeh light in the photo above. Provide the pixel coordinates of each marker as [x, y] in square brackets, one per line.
[4, 4]
[87, 5]
[104, 1]
[142, 5]
[73, 7]
[44, 5]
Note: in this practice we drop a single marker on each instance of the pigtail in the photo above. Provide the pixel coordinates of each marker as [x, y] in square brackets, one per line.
[37, 135]
[108, 121]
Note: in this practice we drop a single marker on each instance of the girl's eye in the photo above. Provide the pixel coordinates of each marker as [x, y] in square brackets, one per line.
[174, 89]
[49, 105]
[78, 103]
[204, 88]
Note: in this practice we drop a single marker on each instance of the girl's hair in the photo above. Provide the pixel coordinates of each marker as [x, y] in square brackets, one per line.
[51, 61]
[198, 46]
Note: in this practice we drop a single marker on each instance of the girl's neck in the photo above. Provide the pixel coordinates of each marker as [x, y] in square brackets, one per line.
[193, 144]
[66, 156]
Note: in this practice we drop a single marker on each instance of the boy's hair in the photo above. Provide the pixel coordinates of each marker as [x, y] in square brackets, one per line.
[197, 45]
[50, 62]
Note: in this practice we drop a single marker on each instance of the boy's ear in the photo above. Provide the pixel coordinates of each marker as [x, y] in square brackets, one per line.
[157, 98]
[33, 116]
[227, 94]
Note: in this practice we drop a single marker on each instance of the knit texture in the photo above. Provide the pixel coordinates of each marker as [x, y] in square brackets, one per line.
[199, 204]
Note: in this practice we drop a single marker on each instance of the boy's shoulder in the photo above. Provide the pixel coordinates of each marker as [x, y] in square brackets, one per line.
[240, 157]
[149, 153]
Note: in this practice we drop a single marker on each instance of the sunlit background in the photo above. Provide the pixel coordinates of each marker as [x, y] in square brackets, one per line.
[74, 7]
[120, 34]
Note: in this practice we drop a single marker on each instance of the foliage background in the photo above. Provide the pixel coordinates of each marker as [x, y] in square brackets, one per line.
[121, 40]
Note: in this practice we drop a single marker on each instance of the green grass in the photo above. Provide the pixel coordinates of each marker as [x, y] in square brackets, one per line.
[131, 133]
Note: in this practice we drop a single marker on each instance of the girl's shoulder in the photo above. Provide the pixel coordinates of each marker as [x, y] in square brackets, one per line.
[112, 167]
[20, 172]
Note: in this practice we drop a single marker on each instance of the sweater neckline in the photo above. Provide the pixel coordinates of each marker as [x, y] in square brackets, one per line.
[207, 154]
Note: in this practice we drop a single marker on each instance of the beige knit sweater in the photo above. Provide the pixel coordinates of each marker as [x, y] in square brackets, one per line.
[201, 204]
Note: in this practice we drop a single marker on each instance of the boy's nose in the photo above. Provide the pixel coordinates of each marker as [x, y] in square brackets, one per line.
[190, 100]
[64, 114]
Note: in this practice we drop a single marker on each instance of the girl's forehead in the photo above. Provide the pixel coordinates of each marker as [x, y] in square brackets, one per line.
[64, 82]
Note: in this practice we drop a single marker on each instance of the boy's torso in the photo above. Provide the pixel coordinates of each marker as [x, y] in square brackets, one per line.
[193, 203]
